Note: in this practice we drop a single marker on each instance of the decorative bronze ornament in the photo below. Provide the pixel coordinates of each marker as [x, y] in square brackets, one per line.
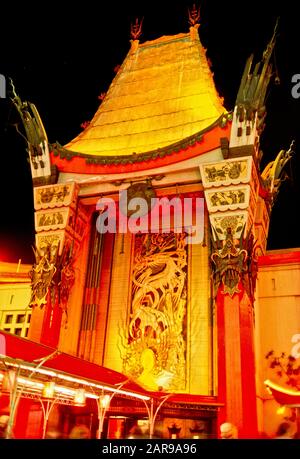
[229, 263]
[194, 15]
[52, 273]
[273, 174]
[136, 29]
[234, 262]
[142, 190]
[42, 274]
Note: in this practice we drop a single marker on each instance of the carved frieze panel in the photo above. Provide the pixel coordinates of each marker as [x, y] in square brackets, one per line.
[52, 272]
[53, 238]
[230, 198]
[46, 220]
[224, 173]
[51, 196]
[234, 220]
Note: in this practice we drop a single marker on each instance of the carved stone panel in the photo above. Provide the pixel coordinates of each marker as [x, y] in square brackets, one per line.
[54, 238]
[229, 198]
[46, 220]
[234, 220]
[51, 196]
[230, 172]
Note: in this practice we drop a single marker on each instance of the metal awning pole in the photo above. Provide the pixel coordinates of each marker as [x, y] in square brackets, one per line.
[47, 408]
[102, 408]
[13, 399]
[152, 415]
[15, 395]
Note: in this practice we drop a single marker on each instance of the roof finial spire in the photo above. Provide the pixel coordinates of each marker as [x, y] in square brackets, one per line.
[194, 16]
[136, 29]
[268, 51]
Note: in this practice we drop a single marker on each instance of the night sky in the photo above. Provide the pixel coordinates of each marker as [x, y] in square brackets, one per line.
[62, 59]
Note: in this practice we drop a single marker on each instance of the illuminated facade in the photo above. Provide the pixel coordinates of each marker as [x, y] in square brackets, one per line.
[171, 307]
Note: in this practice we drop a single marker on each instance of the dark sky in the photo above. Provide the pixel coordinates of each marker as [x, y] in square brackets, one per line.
[61, 57]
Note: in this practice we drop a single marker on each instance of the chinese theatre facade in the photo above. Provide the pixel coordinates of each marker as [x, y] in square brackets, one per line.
[149, 226]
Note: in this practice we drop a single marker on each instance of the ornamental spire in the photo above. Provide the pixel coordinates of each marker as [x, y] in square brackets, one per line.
[136, 29]
[194, 15]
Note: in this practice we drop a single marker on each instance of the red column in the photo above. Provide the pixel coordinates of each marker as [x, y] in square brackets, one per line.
[51, 323]
[236, 363]
[248, 368]
[36, 324]
[45, 324]
[221, 359]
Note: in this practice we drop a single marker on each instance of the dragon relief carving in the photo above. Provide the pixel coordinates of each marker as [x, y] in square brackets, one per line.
[52, 273]
[153, 344]
[273, 174]
[234, 261]
[42, 273]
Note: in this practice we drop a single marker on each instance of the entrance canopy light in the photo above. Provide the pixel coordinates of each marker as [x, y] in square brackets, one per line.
[35, 370]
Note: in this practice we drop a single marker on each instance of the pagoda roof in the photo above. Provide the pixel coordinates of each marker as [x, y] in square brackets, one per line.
[162, 94]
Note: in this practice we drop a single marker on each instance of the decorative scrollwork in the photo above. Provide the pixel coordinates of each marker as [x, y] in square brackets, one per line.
[154, 341]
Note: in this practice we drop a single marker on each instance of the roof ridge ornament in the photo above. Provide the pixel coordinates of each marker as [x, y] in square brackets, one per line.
[270, 46]
[253, 87]
[250, 106]
[194, 16]
[35, 136]
[136, 29]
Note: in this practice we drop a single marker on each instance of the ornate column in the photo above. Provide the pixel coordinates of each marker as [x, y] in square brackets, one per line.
[231, 190]
[239, 201]
[59, 224]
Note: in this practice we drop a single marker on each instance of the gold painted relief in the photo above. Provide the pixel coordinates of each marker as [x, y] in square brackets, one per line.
[51, 196]
[42, 273]
[154, 343]
[231, 172]
[52, 238]
[235, 221]
[52, 273]
[227, 198]
[51, 219]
